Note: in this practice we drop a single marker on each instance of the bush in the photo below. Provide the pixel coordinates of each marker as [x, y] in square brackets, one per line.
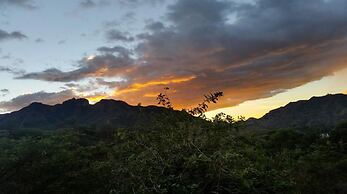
[192, 157]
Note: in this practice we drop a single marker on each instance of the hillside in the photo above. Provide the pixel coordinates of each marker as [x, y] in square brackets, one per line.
[318, 112]
[79, 113]
[179, 159]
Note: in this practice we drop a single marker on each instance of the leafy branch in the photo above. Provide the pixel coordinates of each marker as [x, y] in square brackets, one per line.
[164, 100]
[203, 107]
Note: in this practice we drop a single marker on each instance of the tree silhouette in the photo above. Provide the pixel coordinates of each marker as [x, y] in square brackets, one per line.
[203, 107]
[199, 111]
[222, 117]
[164, 100]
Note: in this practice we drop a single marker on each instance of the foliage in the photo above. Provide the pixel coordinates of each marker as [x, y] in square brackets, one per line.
[203, 107]
[199, 111]
[192, 156]
[339, 135]
[164, 100]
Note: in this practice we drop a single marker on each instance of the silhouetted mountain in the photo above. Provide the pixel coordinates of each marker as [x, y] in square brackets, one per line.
[79, 113]
[318, 112]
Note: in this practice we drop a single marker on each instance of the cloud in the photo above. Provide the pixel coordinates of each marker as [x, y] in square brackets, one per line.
[116, 35]
[136, 3]
[127, 18]
[11, 35]
[99, 66]
[60, 42]
[39, 40]
[249, 51]
[5, 69]
[117, 49]
[87, 4]
[12, 70]
[28, 4]
[4, 92]
[7, 56]
[44, 97]
[155, 26]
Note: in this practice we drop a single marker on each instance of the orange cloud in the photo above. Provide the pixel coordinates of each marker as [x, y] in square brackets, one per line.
[150, 95]
[139, 86]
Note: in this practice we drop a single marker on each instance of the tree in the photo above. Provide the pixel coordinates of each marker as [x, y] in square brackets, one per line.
[222, 117]
[164, 100]
[200, 110]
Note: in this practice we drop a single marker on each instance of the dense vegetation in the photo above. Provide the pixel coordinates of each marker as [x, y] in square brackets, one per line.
[192, 156]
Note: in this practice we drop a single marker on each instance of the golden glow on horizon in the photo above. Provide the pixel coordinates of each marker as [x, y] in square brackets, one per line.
[254, 108]
[257, 108]
[95, 99]
[138, 86]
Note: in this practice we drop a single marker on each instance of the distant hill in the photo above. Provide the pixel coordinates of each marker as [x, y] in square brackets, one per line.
[318, 112]
[79, 113]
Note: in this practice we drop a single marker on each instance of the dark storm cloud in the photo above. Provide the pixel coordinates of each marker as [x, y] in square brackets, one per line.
[99, 66]
[249, 51]
[44, 97]
[11, 35]
[116, 35]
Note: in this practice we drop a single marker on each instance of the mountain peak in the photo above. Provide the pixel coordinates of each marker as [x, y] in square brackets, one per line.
[36, 106]
[76, 102]
[322, 112]
[78, 112]
[111, 102]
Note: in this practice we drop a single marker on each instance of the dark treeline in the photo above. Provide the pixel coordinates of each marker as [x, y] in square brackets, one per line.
[192, 156]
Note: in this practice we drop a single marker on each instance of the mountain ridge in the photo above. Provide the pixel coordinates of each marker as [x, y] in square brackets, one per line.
[78, 112]
[320, 112]
[323, 112]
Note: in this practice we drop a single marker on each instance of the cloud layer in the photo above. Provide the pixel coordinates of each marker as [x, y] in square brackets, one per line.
[4, 92]
[249, 51]
[29, 4]
[44, 97]
[11, 35]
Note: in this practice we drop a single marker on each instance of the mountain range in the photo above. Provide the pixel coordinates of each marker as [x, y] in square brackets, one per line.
[79, 113]
[318, 112]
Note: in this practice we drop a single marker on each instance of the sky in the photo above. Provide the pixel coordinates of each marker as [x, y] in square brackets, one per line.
[262, 54]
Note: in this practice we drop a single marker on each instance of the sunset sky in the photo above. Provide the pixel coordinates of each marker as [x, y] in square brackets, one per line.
[262, 54]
